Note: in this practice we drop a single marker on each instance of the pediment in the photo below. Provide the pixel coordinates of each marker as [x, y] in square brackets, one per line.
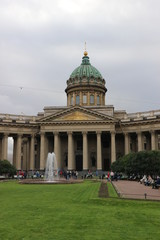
[76, 114]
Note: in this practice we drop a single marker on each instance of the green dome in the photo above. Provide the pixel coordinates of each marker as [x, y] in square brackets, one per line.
[86, 70]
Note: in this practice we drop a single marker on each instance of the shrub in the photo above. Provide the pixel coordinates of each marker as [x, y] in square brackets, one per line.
[7, 169]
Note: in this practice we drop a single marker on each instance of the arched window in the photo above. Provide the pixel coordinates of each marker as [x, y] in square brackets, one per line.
[84, 99]
[77, 99]
[98, 100]
[91, 99]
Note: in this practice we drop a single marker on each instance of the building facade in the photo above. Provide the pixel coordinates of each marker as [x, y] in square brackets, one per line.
[85, 134]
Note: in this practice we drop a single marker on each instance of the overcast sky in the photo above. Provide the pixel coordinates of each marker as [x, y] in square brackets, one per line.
[42, 42]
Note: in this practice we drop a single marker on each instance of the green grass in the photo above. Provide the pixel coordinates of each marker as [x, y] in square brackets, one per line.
[111, 190]
[73, 211]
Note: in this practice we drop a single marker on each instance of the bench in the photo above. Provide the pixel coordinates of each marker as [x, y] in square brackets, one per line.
[155, 185]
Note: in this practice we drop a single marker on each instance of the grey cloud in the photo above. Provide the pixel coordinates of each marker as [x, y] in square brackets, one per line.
[40, 51]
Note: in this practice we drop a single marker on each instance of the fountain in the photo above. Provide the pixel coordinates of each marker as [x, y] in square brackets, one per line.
[51, 174]
[51, 171]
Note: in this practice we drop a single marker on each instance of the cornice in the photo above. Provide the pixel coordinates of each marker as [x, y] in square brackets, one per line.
[60, 123]
[19, 125]
[142, 122]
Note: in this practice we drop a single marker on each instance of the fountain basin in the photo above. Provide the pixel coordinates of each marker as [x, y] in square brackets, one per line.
[41, 181]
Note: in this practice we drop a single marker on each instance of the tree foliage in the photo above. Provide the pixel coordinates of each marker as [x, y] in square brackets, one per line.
[140, 163]
[6, 168]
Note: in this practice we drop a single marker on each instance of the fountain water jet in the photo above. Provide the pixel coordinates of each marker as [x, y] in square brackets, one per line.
[51, 171]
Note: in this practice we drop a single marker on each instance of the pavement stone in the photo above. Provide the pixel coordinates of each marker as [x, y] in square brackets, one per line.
[136, 190]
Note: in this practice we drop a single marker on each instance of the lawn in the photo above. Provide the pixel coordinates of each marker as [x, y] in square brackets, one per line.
[73, 211]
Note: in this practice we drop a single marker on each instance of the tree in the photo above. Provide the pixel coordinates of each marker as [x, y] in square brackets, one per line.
[144, 162]
[7, 168]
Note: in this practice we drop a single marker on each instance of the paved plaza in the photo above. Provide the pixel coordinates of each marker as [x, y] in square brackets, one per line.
[135, 190]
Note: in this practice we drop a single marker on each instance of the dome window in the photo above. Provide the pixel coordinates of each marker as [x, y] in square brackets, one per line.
[84, 99]
[98, 100]
[77, 100]
[91, 99]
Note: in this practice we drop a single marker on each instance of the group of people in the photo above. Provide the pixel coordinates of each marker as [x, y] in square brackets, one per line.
[21, 174]
[149, 181]
[110, 176]
[146, 180]
[69, 174]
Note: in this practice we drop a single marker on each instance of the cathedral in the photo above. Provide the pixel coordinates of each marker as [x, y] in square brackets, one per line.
[85, 135]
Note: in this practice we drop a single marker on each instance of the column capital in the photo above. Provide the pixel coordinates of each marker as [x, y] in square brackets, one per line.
[126, 133]
[113, 132]
[55, 133]
[139, 132]
[32, 135]
[5, 134]
[42, 133]
[98, 132]
[19, 134]
[84, 132]
[69, 132]
[152, 131]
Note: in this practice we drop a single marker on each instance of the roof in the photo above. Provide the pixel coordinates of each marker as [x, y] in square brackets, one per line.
[86, 70]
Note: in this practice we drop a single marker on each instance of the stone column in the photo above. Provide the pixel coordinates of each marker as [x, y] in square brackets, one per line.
[153, 140]
[18, 151]
[113, 147]
[74, 99]
[28, 146]
[32, 164]
[42, 151]
[88, 98]
[68, 100]
[70, 151]
[80, 98]
[0, 148]
[14, 151]
[95, 98]
[85, 151]
[99, 151]
[57, 148]
[101, 99]
[139, 135]
[127, 143]
[5, 146]
[24, 164]
[156, 140]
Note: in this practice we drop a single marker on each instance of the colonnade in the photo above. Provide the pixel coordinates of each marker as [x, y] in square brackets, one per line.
[140, 141]
[19, 150]
[25, 151]
[71, 149]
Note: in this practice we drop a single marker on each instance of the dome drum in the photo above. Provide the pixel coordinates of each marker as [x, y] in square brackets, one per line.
[86, 85]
